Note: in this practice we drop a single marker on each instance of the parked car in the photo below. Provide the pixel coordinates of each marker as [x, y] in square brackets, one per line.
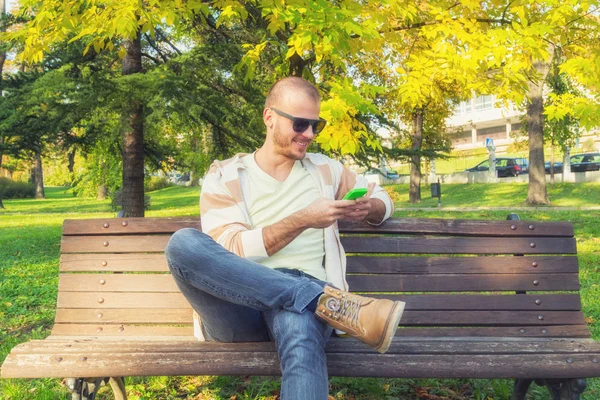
[505, 166]
[557, 167]
[579, 163]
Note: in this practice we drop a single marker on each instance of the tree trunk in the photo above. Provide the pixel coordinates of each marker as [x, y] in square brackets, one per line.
[71, 160]
[133, 138]
[415, 159]
[296, 65]
[537, 193]
[38, 174]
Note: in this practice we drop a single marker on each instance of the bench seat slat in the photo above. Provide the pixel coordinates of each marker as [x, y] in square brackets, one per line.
[463, 227]
[335, 345]
[120, 316]
[134, 262]
[409, 318]
[117, 283]
[120, 330]
[556, 331]
[156, 262]
[462, 283]
[462, 265]
[359, 283]
[128, 225]
[114, 244]
[487, 366]
[395, 225]
[358, 244]
[458, 245]
[547, 302]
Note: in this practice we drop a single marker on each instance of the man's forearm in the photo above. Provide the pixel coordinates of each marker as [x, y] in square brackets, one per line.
[377, 212]
[281, 233]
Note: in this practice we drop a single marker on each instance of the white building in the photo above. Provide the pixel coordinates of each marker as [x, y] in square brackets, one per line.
[479, 118]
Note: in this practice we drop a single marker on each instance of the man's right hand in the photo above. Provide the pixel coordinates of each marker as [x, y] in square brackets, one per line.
[323, 212]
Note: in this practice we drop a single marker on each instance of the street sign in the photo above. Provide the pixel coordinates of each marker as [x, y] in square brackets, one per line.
[489, 142]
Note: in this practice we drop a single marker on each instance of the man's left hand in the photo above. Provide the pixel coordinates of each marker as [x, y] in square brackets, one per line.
[360, 210]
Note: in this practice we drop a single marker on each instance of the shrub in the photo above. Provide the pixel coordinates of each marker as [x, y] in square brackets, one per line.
[10, 189]
[153, 183]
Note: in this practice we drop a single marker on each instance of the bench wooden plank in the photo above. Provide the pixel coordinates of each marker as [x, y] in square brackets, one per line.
[459, 227]
[458, 245]
[468, 283]
[539, 302]
[121, 300]
[114, 244]
[410, 318]
[487, 366]
[462, 265]
[359, 283]
[134, 262]
[101, 226]
[398, 346]
[448, 333]
[557, 331]
[121, 330]
[156, 262]
[120, 316]
[395, 225]
[357, 244]
[117, 283]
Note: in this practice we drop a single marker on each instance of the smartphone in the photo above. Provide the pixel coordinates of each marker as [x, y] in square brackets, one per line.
[355, 194]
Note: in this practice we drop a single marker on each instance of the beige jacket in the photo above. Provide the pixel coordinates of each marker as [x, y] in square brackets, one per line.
[224, 214]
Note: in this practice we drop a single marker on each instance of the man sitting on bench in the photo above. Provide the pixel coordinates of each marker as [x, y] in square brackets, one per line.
[270, 264]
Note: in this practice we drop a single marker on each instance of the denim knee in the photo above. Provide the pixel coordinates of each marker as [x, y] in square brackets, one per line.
[300, 332]
[182, 244]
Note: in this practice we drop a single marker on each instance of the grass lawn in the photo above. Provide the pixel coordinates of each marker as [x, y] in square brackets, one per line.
[29, 257]
[501, 195]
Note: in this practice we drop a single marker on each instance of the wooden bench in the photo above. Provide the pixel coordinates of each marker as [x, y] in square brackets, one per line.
[484, 299]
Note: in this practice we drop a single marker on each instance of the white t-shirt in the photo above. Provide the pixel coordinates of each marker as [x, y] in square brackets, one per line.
[269, 201]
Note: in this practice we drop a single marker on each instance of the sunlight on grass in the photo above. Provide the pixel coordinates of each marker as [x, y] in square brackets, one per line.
[29, 257]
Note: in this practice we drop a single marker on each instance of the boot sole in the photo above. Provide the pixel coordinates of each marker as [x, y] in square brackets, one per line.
[393, 322]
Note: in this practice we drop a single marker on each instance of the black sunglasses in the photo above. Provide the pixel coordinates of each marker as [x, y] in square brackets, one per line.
[300, 125]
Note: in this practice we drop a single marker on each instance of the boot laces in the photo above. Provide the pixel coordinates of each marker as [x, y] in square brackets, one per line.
[345, 310]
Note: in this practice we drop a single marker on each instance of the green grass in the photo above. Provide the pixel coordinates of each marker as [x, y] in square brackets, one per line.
[502, 195]
[29, 257]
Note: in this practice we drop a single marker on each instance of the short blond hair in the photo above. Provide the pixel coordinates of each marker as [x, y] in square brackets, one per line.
[291, 83]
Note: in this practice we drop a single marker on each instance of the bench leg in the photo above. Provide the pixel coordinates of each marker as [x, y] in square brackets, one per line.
[118, 387]
[521, 388]
[564, 389]
[87, 389]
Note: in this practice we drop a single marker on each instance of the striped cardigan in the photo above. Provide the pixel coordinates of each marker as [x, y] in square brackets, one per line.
[224, 214]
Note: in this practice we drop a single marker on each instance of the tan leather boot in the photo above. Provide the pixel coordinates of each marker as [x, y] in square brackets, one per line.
[372, 321]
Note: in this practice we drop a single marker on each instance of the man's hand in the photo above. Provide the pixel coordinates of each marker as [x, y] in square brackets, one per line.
[365, 208]
[320, 214]
[323, 212]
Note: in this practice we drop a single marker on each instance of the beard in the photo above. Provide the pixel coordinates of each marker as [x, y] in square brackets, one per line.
[284, 146]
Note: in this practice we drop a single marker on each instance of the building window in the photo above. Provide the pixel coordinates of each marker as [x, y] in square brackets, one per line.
[463, 108]
[483, 103]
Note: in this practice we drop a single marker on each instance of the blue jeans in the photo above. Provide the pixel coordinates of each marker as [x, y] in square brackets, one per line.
[242, 301]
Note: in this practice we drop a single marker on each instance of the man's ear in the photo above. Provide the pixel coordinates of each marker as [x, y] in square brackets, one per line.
[268, 118]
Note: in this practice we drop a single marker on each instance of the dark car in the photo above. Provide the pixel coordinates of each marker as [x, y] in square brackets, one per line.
[505, 166]
[557, 167]
[579, 163]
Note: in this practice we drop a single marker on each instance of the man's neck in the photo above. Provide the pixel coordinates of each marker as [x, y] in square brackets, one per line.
[276, 165]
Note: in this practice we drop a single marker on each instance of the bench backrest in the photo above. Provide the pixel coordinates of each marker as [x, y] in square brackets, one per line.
[458, 277]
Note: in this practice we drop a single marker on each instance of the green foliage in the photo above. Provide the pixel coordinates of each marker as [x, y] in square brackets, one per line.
[10, 189]
[152, 183]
